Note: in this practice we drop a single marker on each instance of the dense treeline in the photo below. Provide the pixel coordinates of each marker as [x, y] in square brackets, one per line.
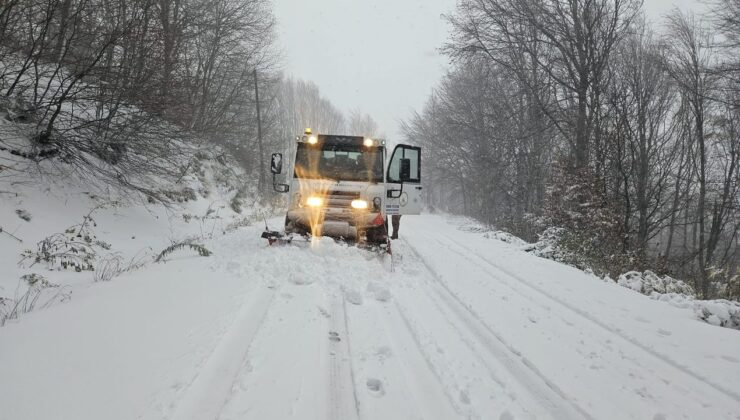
[128, 80]
[136, 83]
[576, 120]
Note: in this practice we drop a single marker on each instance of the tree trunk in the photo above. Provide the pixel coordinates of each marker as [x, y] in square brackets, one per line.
[62, 32]
[701, 210]
[262, 181]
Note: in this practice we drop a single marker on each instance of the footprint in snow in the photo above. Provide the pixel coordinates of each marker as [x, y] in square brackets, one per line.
[300, 279]
[381, 293]
[376, 387]
[353, 296]
[506, 415]
[643, 320]
[334, 336]
[464, 398]
[324, 312]
[383, 353]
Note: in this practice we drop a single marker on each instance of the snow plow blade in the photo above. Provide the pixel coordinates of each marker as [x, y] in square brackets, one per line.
[280, 238]
[377, 248]
[274, 237]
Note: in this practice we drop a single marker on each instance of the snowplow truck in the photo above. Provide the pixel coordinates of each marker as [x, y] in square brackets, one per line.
[345, 187]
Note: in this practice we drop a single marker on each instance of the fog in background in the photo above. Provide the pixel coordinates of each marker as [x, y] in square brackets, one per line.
[379, 56]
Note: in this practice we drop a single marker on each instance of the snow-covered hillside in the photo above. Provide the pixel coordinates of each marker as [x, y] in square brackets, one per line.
[60, 232]
[461, 326]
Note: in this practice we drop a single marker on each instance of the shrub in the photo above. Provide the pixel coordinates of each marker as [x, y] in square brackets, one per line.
[200, 249]
[586, 231]
[36, 286]
[720, 312]
[648, 282]
[75, 249]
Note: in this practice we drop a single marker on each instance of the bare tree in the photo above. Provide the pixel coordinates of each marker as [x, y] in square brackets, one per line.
[690, 62]
[126, 81]
[574, 115]
[301, 105]
[643, 143]
[360, 124]
[570, 41]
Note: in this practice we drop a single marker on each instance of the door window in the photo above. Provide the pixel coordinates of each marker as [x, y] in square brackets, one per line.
[413, 154]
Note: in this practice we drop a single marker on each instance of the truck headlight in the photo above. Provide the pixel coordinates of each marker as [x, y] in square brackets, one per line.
[359, 204]
[314, 201]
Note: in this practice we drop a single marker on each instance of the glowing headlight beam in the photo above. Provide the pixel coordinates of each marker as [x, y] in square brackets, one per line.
[359, 204]
[314, 201]
[368, 142]
[313, 140]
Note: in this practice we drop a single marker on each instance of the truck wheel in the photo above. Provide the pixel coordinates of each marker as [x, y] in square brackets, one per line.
[292, 227]
[377, 235]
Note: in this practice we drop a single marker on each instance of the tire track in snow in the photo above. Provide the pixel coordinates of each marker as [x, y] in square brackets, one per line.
[342, 393]
[529, 377]
[426, 371]
[470, 342]
[211, 388]
[585, 315]
[402, 383]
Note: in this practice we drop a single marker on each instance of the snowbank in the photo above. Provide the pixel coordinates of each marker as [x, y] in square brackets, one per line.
[719, 312]
[722, 313]
[60, 232]
[648, 282]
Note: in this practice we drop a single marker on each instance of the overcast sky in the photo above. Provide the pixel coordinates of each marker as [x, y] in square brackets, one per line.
[380, 56]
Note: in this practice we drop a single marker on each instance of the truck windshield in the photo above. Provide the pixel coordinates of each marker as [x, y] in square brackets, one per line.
[339, 162]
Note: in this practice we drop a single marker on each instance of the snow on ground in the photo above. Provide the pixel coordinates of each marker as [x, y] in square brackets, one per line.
[125, 229]
[464, 326]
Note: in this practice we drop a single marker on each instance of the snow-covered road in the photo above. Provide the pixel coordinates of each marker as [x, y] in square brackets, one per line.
[464, 327]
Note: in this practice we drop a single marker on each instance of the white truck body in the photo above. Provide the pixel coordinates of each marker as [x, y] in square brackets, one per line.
[347, 186]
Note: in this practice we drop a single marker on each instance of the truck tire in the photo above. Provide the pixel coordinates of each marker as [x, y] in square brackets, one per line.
[377, 235]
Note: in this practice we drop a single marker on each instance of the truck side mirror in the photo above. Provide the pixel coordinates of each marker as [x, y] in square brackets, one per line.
[276, 163]
[276, 167]
[405, 170]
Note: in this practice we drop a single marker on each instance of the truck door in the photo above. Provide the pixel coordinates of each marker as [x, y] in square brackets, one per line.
[403, 181]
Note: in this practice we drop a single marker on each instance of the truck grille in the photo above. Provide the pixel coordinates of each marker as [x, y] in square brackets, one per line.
[341, 199]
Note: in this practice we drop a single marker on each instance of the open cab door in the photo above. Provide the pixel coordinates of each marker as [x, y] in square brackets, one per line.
[403, 181]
